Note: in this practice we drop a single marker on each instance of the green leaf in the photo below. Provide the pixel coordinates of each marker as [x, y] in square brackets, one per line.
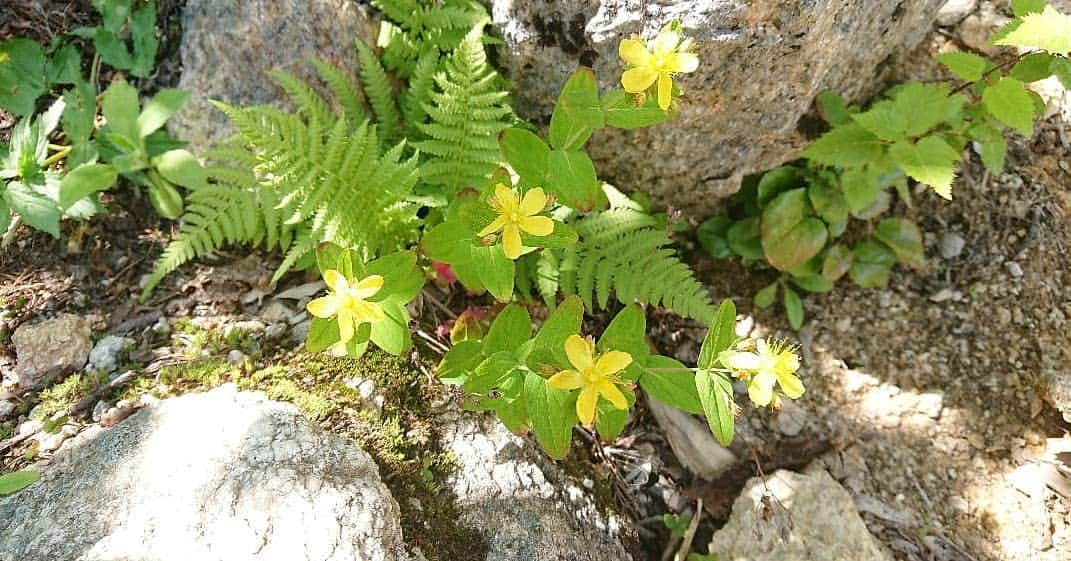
[790, 235]
[832, 108]
[112, 50]
[143, 33]
[1049, 30]
[994, 146]
[720, 336]
[36, 209]
[510, 330]
[812, 282]
[514, 414]
[495, 270]
[84, 181]
[552, 413]
[574, 180]
[65, 66]
[79, 111]
[113, 12]
[1033, 67]
[458, 362]
[159, 109]
[777, 181]
[904, 238]
[578, 112]
[1021, 8]
[322, 334]
[491, 372]
[793, 308]
[716, 397]
[845, 146]
[965, 66]
[526, 153]
[610, 421]
[829, 203]
[182, 168]
[16, 481]
[872, 264]
[622, 111]
[1011, 104]
[837, 262]
[931, 161]
[1061, 68]
[671, 383]
[120, 107]
[549, 345]
[913, 110]
[765, 298]
[860, 188]
[392, 333]
[745, 238]
[627, 332]
[22, 75]
[711, 235]
[402, 279]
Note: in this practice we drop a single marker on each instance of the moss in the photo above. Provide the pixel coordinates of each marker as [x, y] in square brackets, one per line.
[207, 373]
[64, 394]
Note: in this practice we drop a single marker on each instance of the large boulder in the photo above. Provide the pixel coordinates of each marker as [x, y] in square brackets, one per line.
[522, 504]
[222, 475]
[762, 62]
[228, 46]
[791, 516]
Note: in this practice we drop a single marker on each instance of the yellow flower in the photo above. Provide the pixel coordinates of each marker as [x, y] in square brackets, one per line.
[596, 375]
[515, 215]
[668, 56]
[773, 364]
[349, 303]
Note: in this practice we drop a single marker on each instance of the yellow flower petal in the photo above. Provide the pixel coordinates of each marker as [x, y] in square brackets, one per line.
[613, 395]
[505, 198]
[634, 52]
[537, 225]
[323, 307]
[665, 90]
[613, 362]
[345, 325]
[580, 352]
[665, 43]
[511, 241]
[493, 227]
[791, 385]
[760, 389]
[737, 360]
[585, 405]
[335, 281]
[566, 380]
[534, 201]
[684, 62]
[367, 312]
[639, 79]
[368, 287]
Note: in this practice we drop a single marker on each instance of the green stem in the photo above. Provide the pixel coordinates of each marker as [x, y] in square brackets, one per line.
[56, 157]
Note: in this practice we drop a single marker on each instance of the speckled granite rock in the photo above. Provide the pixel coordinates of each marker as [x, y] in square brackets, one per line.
[812, 519]
[228, 45]
[50, 349]
[222, 475]
[761, 64]
[521, 503]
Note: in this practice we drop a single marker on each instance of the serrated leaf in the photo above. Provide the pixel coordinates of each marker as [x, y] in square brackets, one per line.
[1061, 68]
[791, 235]
[671, 383]
[994, 147]
[793, 307]
[720, 335]
[143, 34]
[904, 238]
[1049, 30]
[84, 181]
[1021, 8]
[22, 75]
[112, 50]
[79, 111]
[716, 397]
[832, 108]
[16, 481]
[845, 146]
[1033, 67]
[113, 12]
[931, 161]
[65, 66]
[964, 65]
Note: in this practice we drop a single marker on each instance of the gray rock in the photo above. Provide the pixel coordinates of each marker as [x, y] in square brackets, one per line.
[522, 504]
[105, 354]
[691, 441]
[50, 349]
[951, 245]
[7, 408]
[954, 11]
[762, 62]
[806, 517]
[1014, 269]
[228, 46]
[222, 475]
[1058, 384]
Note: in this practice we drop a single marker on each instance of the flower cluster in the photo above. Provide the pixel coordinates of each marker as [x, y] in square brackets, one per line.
[771, 364]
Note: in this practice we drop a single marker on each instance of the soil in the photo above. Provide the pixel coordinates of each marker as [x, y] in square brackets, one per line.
[925, 399]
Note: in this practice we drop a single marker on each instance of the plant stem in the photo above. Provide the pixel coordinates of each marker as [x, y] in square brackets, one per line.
[1007, 64]
[56, 157]
[9, 235]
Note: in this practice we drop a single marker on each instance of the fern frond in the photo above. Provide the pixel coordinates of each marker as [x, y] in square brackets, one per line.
[424, 26]
[466, 113]
[379, 92]
[625, 254]
[345, 91]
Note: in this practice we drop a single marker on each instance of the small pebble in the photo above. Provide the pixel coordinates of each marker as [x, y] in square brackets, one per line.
[1014, 269]
[951, 245]
[235, 357]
